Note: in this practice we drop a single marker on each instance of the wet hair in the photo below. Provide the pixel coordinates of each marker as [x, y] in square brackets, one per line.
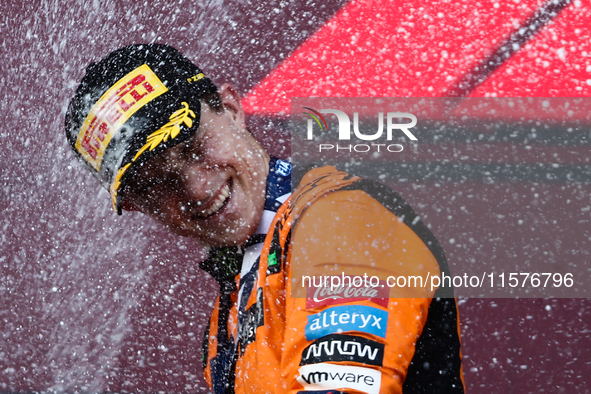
[214, 101]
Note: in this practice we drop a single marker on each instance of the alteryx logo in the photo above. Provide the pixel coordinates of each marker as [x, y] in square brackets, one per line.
[344, 131]
[347, 318]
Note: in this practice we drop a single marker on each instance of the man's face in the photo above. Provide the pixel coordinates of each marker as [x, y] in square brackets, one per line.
[210, 187]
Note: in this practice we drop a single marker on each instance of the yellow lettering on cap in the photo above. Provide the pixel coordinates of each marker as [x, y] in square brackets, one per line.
[196, 78]
[113, 109]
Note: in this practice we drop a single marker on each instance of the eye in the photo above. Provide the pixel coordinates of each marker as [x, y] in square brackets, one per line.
[146, 186]
[150, 179]
[192, 149]
[154, 183]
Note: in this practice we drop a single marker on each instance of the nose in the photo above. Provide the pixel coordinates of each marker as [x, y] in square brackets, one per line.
[196, 180]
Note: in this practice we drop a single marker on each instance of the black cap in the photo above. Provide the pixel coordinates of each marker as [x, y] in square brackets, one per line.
[132, 105]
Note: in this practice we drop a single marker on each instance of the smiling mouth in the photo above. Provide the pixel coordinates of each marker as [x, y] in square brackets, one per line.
[218, 203]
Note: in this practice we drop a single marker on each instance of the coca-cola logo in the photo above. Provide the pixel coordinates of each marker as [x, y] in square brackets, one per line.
[321, 296]
[323, 293]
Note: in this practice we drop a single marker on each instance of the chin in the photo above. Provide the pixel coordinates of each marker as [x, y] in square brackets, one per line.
[235, 239]
[211, 239]
[229, 231]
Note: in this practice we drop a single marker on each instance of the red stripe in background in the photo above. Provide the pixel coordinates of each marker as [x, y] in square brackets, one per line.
[555, 63]
[386, 48]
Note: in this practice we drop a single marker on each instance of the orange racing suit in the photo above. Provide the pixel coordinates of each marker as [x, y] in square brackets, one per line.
[270, 334]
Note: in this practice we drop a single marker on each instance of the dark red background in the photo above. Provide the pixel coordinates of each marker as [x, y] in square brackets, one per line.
[93, 302]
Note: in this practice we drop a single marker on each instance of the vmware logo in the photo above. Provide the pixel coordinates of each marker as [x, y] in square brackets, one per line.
[330, 376]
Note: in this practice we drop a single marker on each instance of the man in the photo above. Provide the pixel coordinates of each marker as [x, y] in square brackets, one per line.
[160, 136]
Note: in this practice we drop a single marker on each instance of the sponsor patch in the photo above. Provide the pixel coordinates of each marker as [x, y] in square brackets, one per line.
[329, 376]
[347, 318]
[282, 167]
[338, 347]
[324, 296]
[273, 262]
[113, 109]
[253, 318]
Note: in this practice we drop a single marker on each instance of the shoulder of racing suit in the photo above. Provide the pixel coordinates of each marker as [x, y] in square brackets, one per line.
[290, 339]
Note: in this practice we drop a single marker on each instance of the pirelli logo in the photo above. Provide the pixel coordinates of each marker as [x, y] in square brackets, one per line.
[339, 347]
[113, 109]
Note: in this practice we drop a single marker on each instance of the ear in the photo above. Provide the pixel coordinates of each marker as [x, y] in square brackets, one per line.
[232, 103]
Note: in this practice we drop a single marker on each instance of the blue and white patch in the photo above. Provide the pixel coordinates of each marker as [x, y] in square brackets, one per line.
[282, 167]
[347, 318]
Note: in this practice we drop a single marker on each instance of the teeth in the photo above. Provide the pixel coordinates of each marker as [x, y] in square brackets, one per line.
[218, 203]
